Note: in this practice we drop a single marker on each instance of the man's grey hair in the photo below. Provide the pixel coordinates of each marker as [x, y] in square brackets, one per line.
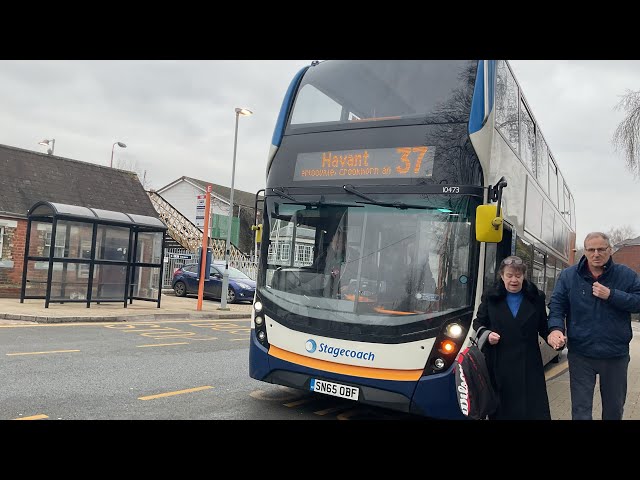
[591, 235]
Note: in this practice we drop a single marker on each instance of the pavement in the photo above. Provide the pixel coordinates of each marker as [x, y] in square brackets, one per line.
[172, 307]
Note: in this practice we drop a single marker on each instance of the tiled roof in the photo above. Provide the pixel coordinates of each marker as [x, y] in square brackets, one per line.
[630, 241]
[27, 177]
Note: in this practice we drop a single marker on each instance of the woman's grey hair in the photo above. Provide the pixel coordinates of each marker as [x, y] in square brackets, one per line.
[514, 262]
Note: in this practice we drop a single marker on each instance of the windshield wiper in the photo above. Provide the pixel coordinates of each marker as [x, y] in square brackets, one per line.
[321, 203]
[280, 193]
[400, 205]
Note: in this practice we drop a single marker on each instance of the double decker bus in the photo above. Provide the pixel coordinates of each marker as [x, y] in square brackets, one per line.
[394, 189]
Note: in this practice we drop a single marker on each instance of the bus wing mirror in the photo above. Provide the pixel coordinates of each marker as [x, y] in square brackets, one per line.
[488, 225]
[258, 230]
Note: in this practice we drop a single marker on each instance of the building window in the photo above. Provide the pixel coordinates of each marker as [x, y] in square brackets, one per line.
[284, 251]
[83, 268]
[59, 250]
[304, 255]
[1, 241]
[279, 253]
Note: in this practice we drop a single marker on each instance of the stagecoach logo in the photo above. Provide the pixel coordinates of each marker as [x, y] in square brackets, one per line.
[310, 346]
[463, 392]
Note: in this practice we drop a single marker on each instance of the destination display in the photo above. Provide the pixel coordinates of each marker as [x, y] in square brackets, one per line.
[400, 162]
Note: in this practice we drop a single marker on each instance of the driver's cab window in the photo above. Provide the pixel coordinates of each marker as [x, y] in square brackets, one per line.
[495, 253]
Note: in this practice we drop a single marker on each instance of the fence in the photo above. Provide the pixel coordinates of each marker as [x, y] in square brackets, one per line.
[175, 258]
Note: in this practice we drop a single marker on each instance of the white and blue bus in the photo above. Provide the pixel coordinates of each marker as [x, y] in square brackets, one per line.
[380, 231]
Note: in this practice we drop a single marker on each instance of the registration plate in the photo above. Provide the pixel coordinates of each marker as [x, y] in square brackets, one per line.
[335, 389]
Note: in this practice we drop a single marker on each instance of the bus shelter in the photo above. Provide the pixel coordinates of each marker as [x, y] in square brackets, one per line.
[84, 255]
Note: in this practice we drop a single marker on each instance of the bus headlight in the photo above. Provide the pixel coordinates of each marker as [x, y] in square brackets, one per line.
[439, 363]
[261, 336]
[259, 320]
[454, 330]
[257, 306]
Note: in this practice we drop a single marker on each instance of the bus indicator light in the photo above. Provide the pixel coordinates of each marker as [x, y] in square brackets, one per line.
[447, 346]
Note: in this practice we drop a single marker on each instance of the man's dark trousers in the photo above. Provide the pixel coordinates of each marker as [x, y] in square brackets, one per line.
[613, 385]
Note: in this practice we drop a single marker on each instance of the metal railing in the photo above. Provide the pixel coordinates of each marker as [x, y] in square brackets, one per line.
[180, 228]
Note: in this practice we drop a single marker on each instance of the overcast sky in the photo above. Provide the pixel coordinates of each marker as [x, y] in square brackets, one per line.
[177, 118]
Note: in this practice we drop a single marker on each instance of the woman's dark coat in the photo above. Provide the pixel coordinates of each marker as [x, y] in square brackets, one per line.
[515, 362]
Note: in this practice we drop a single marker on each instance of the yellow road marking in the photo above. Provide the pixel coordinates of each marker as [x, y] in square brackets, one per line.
[196, 323]
[177, 392]
[348, 414]
[300, 402]
[556, 371]
[162, 344]
[40, 416]
[122, 324]
[331, 410]
[154, 330]
[41, 353]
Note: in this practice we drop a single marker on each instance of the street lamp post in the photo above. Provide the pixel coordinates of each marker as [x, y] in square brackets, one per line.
[225, 275]
[51, 142]
[121, 145]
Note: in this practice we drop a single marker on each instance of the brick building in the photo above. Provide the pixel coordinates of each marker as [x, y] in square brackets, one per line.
[627, 253]
[27, 177]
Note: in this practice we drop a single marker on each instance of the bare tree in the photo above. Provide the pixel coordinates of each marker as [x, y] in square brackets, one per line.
[626, 137]
[619, 234]
[132, 166]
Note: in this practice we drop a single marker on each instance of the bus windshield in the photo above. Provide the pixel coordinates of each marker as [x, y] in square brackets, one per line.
[341, 93]
[399, 260]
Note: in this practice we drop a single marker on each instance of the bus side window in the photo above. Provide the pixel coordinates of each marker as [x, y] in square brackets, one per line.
[495, 253]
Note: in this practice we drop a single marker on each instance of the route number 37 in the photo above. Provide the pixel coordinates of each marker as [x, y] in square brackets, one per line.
[406, 160]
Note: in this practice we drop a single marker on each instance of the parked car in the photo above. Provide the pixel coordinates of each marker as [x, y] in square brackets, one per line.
[241, 287]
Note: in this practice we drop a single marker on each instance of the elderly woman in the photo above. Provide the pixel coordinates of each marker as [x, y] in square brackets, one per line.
[514, 311]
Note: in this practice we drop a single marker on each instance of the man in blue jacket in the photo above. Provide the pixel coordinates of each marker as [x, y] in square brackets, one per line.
[596, 297]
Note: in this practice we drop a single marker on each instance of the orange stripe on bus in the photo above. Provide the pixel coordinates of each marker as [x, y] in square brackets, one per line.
[393, 312]
[365, 372]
